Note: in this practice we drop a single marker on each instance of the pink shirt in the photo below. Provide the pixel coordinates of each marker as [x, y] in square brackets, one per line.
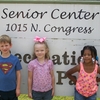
[86, 83]
[41, 75]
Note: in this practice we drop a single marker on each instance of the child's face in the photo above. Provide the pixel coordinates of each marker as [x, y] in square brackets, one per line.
[5, 48]
[87, 56]
[40, 51]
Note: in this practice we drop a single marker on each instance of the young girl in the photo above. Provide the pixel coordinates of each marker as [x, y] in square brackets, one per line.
[86, 83]
[40, 72]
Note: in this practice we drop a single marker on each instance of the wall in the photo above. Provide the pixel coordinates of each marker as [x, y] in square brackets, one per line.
[67, 26]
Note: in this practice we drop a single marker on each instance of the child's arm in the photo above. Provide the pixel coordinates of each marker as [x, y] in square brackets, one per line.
[30, 75]
[71, 71]
[98, 79]
[53, 82]
[18, 74]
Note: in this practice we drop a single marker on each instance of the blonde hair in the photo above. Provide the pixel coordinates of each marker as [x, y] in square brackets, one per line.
[5, 38]
[47, 56]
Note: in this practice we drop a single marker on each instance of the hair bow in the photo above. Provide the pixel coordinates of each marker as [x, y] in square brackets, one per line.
[38, 39]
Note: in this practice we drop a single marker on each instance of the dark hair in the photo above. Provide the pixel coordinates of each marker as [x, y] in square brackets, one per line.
[92, 49]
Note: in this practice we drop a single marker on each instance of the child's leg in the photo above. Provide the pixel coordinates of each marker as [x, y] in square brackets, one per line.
[48, 95]
[9, 95]
[37, 95]
[78, 96]
[12, 95]
[93, 97]
[3, 95]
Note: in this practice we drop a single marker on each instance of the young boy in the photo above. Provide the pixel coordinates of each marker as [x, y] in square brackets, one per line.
[10, 67]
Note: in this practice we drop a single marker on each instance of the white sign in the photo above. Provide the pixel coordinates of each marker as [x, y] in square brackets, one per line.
[68, 27]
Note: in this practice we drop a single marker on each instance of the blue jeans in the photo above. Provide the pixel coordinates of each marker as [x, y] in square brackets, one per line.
[42, 95]
[78, 96]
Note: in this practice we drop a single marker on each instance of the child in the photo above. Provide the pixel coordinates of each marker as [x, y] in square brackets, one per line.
[40, 72]
[86, 83]
[9, 71]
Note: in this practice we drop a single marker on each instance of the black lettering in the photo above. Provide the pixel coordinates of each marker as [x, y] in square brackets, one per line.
[80, 14]
[45, 28]
[65, 56]
[56, 59]
[23, 14]
[27, 58]
[73, 58]
[52, 14]
[68, 30]
[60, 77]
[87, 15]
[34, 27]
[19, 56]
[80, 29]
[90, 30]
[93, 15]
[4, 17]
[70, 15]
[12, 14]
[63, 15]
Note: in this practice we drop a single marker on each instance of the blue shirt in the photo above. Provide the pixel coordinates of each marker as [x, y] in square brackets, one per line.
[8, 68]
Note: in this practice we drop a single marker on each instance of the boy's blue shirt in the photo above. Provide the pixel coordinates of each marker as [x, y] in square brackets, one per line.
[8, 68]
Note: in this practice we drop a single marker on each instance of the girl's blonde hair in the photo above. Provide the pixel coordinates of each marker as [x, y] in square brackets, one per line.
[47, 56]
[5, 38]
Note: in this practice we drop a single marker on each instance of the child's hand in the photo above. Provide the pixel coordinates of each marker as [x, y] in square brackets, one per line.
[73, 81]
[17, 92]
[30, 95]
[53, 92]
